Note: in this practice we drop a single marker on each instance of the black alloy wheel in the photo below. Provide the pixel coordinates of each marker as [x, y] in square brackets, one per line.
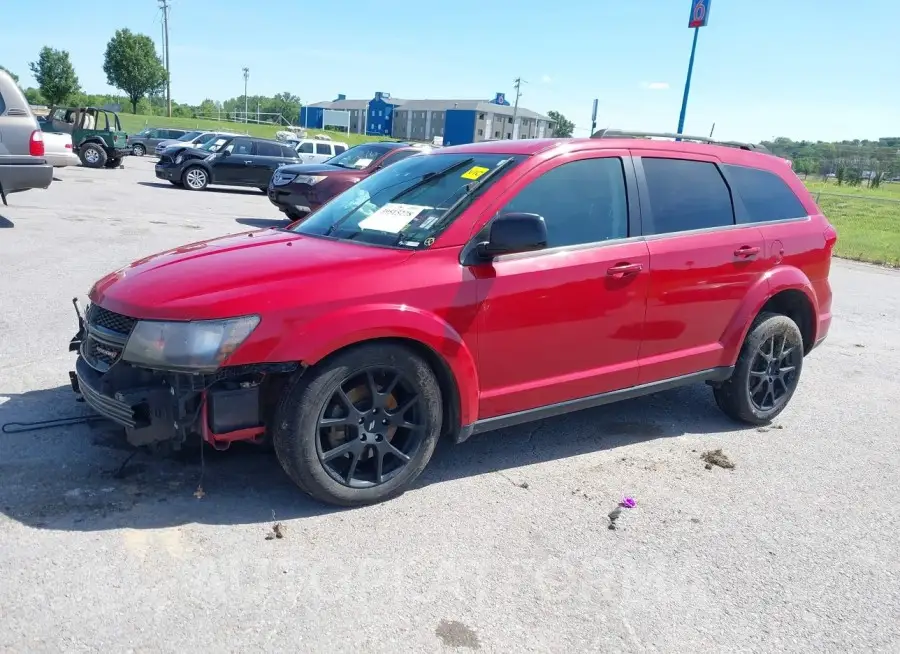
[370, 428]
[361, 425]
[773, 372]
[767, 371]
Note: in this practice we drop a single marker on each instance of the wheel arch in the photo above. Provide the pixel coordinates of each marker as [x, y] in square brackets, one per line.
[422, 331]
[785, 290]
[92, 140]
[450, 395]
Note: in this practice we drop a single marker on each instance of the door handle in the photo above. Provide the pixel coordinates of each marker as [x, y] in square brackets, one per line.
[623, 269]
[745, 252]
[248, 163]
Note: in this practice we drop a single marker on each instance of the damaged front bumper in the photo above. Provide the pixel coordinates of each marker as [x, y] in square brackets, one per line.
[164, 407]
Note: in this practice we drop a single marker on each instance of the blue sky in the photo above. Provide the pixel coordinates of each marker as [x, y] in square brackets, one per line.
[807, 71]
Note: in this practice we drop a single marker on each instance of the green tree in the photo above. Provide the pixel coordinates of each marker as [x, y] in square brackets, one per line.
[55, 75]
[34, 96]
[11, 74]
[564, 127]
[131, 64]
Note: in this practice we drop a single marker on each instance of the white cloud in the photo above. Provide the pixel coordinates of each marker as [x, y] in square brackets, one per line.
[546, 79]
[656, 86]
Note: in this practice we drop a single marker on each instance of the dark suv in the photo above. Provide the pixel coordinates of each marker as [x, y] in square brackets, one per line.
[237, 161]
[300, 189]
[464, 290]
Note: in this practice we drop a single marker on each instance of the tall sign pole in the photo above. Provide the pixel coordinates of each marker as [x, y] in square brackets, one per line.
[164, 5]
[699, 18]
[594, 117]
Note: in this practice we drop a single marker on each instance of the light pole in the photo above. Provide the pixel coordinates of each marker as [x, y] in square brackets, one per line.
[246, 77]
[699, 18]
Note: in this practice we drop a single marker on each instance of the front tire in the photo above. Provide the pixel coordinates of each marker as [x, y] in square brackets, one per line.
[138, 150]
[92, 156]
[767, 371]
[195, 178]
[360, 427]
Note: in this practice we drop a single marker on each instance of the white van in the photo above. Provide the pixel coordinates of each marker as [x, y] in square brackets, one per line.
[318, 151]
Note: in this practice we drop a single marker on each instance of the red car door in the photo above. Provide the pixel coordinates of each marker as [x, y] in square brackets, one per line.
[702, 264]
[565, 322]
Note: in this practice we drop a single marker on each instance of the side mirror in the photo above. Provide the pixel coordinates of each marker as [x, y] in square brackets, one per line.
[514, 232]
[225, 153]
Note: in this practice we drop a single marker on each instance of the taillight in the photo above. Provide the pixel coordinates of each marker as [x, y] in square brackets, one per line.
[68, 146]
[36, 144]
[831, 236]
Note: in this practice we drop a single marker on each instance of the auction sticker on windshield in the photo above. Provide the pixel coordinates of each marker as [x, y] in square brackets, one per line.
[362, 163]
[474, 172]
[392, 217]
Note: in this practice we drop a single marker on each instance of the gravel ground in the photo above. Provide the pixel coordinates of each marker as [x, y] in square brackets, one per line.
[502, 546]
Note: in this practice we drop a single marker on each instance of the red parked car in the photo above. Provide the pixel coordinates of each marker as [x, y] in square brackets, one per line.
[476, 287]
[299, 189]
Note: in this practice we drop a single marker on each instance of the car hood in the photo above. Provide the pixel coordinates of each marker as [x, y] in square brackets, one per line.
[318, 169]
[250, 272]
[186, 151]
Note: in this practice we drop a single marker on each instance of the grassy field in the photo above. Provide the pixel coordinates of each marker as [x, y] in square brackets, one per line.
[867, 220]
[135, 123]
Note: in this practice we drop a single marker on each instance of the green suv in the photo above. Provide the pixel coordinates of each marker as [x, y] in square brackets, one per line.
[97, 136]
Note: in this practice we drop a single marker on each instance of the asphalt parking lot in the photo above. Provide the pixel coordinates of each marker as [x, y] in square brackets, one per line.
[502, 546]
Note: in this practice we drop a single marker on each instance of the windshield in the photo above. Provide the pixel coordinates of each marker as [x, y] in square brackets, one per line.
[214, 143]
[190, 136]
[359, 157]
[408, 203]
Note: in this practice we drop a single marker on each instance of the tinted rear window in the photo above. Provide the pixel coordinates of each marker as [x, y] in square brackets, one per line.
[765, 195]
[685, 195]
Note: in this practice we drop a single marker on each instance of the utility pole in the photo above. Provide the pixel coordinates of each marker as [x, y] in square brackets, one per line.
[518, 86]
[164, 5]
[246, 77]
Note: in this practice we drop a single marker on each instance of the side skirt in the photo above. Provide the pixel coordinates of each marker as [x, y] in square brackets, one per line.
[711, 376]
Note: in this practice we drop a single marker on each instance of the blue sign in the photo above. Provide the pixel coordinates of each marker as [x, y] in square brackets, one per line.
[699, 13]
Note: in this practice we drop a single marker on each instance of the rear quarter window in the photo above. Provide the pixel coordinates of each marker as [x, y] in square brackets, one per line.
[765, 195]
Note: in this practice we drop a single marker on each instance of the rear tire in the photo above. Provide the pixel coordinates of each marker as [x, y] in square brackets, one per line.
[92, 155]
[767, 371]
[138, 150]
[195, 178]
[344, 444]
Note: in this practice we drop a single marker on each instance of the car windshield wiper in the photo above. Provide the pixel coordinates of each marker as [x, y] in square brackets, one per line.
[471, 187]
[427, 177]
[430, 177]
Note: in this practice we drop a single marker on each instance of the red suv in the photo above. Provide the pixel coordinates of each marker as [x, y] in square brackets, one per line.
[472, 288]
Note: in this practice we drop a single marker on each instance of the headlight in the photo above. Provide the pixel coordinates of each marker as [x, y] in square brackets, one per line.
[310, 179]
[201, 345]
[179, 158]
[280, 178]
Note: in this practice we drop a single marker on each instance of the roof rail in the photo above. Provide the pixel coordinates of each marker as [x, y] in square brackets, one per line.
[626, 134]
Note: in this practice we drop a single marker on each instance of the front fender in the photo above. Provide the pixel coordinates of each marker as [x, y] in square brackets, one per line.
[781, 278]
[333, 331]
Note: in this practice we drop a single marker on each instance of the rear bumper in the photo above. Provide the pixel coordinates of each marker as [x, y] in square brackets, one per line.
[62, 159]
[20, 174]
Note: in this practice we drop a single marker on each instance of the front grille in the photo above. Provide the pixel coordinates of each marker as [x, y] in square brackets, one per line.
[107, 335]
[115, 322]
[165, 159]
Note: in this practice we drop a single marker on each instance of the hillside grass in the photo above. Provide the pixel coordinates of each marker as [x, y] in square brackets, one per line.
[133, 124]
[867, 220]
